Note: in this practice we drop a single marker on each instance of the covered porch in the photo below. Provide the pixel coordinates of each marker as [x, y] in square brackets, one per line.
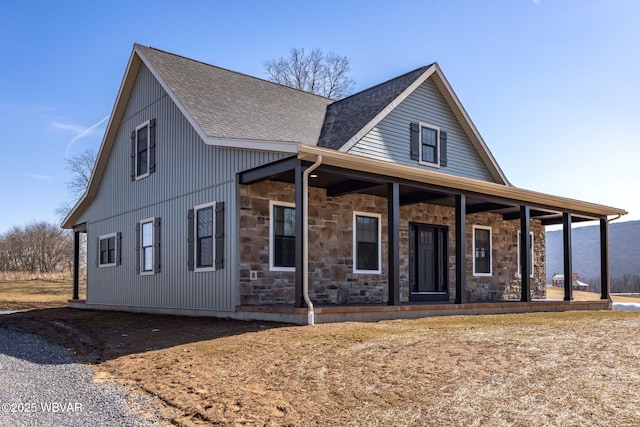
[400, 188]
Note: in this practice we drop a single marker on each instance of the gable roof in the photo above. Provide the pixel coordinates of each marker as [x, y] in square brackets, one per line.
[227, 108]
[350, 119]
[226, 105]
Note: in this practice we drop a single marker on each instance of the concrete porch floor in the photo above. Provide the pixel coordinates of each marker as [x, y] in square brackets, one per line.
[372, 313]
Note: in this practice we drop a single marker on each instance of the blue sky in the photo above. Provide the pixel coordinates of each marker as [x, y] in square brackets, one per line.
[553, 86]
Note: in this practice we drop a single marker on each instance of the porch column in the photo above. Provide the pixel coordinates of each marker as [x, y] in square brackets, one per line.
[393, 229]
[76, 265]
[525, 254]
[461, 237]
[604, 259]
[298, 199]
[568, 263]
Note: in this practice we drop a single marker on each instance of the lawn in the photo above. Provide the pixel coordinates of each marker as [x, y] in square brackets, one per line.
[573, 368]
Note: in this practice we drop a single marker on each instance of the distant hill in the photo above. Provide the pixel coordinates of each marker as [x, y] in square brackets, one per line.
[624, 250]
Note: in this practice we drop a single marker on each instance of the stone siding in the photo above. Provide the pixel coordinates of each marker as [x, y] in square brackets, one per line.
[332, 280]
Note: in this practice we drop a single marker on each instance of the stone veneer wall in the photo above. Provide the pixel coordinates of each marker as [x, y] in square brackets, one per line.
[332, 280]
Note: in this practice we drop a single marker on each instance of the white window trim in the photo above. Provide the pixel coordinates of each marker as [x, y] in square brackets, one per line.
[272, 267]
[115, 252]
[197, 269]
[532, 255]
[148, 124]
[153, 252]
[473, 253]
[437, 129]
[355, 243]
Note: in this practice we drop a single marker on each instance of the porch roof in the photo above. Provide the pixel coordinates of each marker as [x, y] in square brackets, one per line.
[456, 183]
[482, 195]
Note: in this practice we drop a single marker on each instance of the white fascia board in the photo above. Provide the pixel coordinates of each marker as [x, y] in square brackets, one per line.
[66, 223]
[388, 109]
[255, 144]
[460, 107]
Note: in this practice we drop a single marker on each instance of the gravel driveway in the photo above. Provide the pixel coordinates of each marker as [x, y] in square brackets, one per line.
[41, 385]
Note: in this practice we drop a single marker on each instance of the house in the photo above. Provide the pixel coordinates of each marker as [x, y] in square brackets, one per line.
[558, 280]
[217, 193]
[577, 285]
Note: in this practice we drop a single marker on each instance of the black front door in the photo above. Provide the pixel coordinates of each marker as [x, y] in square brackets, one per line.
[428, 279]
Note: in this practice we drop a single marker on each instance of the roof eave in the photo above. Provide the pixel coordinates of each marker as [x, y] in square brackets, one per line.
[254, 144]
[483, 149]
[108, 139]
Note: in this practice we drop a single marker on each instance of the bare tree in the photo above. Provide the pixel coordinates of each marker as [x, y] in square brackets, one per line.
[81, 167]
[316, 72]
[39, 247]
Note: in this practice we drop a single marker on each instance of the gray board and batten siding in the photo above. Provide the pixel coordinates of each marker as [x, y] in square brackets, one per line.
[389, 140]
[188, 173]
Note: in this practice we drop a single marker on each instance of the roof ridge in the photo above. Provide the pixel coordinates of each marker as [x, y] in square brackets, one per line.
[235, 72]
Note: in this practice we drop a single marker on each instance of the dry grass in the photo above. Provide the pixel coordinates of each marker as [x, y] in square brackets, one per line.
[554, 292]
[27, 293]
[561, 369]
[6, 276]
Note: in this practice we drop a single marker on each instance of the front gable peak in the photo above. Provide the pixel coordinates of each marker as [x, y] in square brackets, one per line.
[349, 120]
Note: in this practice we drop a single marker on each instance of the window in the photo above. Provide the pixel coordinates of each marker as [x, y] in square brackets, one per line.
[143, 150]
[481, 251]
[532, 255]
[204, 237]
[146, 252]
[282, 231]
[366, 243]
[428, 145]
[148, 246]
[107, 250]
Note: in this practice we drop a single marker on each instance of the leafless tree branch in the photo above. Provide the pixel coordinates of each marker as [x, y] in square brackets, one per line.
[316, 72]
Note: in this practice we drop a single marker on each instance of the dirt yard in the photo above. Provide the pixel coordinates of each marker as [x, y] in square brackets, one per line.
[575, 368]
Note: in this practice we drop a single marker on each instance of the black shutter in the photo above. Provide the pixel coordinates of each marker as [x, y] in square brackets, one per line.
[118, 248]
[412, 258]
[138, 248]
[415, 141]
[97, 251]
[190, 240]
[219, 235]
[152, 146]
[133, 155]
[156, 245]
[443, 149]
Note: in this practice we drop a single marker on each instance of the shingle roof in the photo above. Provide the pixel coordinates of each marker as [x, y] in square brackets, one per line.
[348, 116]
[231, 105]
